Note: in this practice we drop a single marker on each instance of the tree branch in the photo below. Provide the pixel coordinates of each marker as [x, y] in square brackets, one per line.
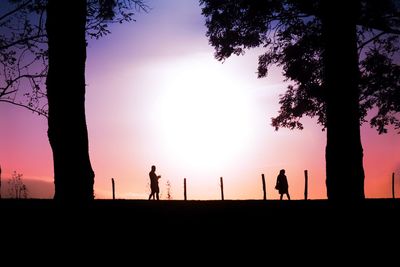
[4, 93]
[11, 82]
[384, 28]
[38, 36]
[371, 40]
[15, 10]
[39, 112]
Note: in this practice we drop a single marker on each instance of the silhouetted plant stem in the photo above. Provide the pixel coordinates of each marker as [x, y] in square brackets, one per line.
[222, 188]
[305, 184]
[264, 187]
[184, 189]
[113, 187]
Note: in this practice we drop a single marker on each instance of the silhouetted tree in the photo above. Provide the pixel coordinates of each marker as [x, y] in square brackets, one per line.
[16, 187]
[67, 132]
[339, 56]
[25, 61]
[66, 27]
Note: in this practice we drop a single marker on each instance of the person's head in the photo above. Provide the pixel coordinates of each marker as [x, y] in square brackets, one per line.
[153, 168]
[282, 171]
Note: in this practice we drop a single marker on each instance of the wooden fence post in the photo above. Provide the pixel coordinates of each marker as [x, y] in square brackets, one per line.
[184, 188]
[0, 182]
[306, 185]
[222, 188]
[393, 195]
[113, 187]
[264, 189]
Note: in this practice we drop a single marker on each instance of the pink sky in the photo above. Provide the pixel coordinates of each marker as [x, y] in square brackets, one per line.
[157, 96]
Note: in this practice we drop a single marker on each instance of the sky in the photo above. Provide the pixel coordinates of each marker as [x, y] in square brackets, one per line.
[157, 96]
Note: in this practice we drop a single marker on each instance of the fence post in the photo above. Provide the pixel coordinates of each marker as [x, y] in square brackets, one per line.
[393, 195]
[306, 185]
[0, 182]
[222, 188]
[264, 189]
[184, 188]
[113, 187]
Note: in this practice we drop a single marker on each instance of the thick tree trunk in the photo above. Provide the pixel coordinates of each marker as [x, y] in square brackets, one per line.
[67, 132]
[344, 153]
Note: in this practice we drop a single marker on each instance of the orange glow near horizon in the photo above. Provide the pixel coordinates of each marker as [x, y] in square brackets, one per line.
[156, 96]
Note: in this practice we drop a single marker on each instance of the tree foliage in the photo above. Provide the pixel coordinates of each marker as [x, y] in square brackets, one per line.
[23, 45]
[290, 33]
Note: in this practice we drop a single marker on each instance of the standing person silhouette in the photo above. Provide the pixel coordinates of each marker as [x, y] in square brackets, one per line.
[282, 184]
[155, 190]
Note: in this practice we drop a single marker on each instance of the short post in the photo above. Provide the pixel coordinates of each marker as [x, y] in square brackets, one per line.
[184, 189]
[0, 182]
[113, 187]
[306, 185]
[222, 188]
[263, 185]
[393, 196]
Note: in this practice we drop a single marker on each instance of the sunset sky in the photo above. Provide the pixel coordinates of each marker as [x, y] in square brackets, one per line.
[156, 96]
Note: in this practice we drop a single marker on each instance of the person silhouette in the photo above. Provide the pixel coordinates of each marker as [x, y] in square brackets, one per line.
[155, 190]
[282, 184]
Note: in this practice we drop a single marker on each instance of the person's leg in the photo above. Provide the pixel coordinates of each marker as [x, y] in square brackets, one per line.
[158, 197]
[151, 194]
[288, 196]
[281, 196]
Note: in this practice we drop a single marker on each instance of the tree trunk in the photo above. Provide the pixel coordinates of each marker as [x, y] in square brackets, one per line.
[344, 153]
[67, 132]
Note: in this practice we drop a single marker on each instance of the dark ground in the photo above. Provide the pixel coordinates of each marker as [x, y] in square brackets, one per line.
[249, 229]
[206, 216]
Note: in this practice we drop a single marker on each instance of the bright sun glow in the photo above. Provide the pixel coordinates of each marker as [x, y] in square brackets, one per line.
[205, 115]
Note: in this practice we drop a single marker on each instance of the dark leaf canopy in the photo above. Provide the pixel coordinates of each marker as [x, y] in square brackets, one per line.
[290, 33]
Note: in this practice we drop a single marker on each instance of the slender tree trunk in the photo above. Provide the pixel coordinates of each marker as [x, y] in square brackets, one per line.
[344, 153]
[67, 132]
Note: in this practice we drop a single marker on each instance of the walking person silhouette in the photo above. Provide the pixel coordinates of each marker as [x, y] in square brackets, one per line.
[155, 190]
[282, 184]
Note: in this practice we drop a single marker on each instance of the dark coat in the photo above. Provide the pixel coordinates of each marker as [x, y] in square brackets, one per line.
[154, 182]
[282, 184]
